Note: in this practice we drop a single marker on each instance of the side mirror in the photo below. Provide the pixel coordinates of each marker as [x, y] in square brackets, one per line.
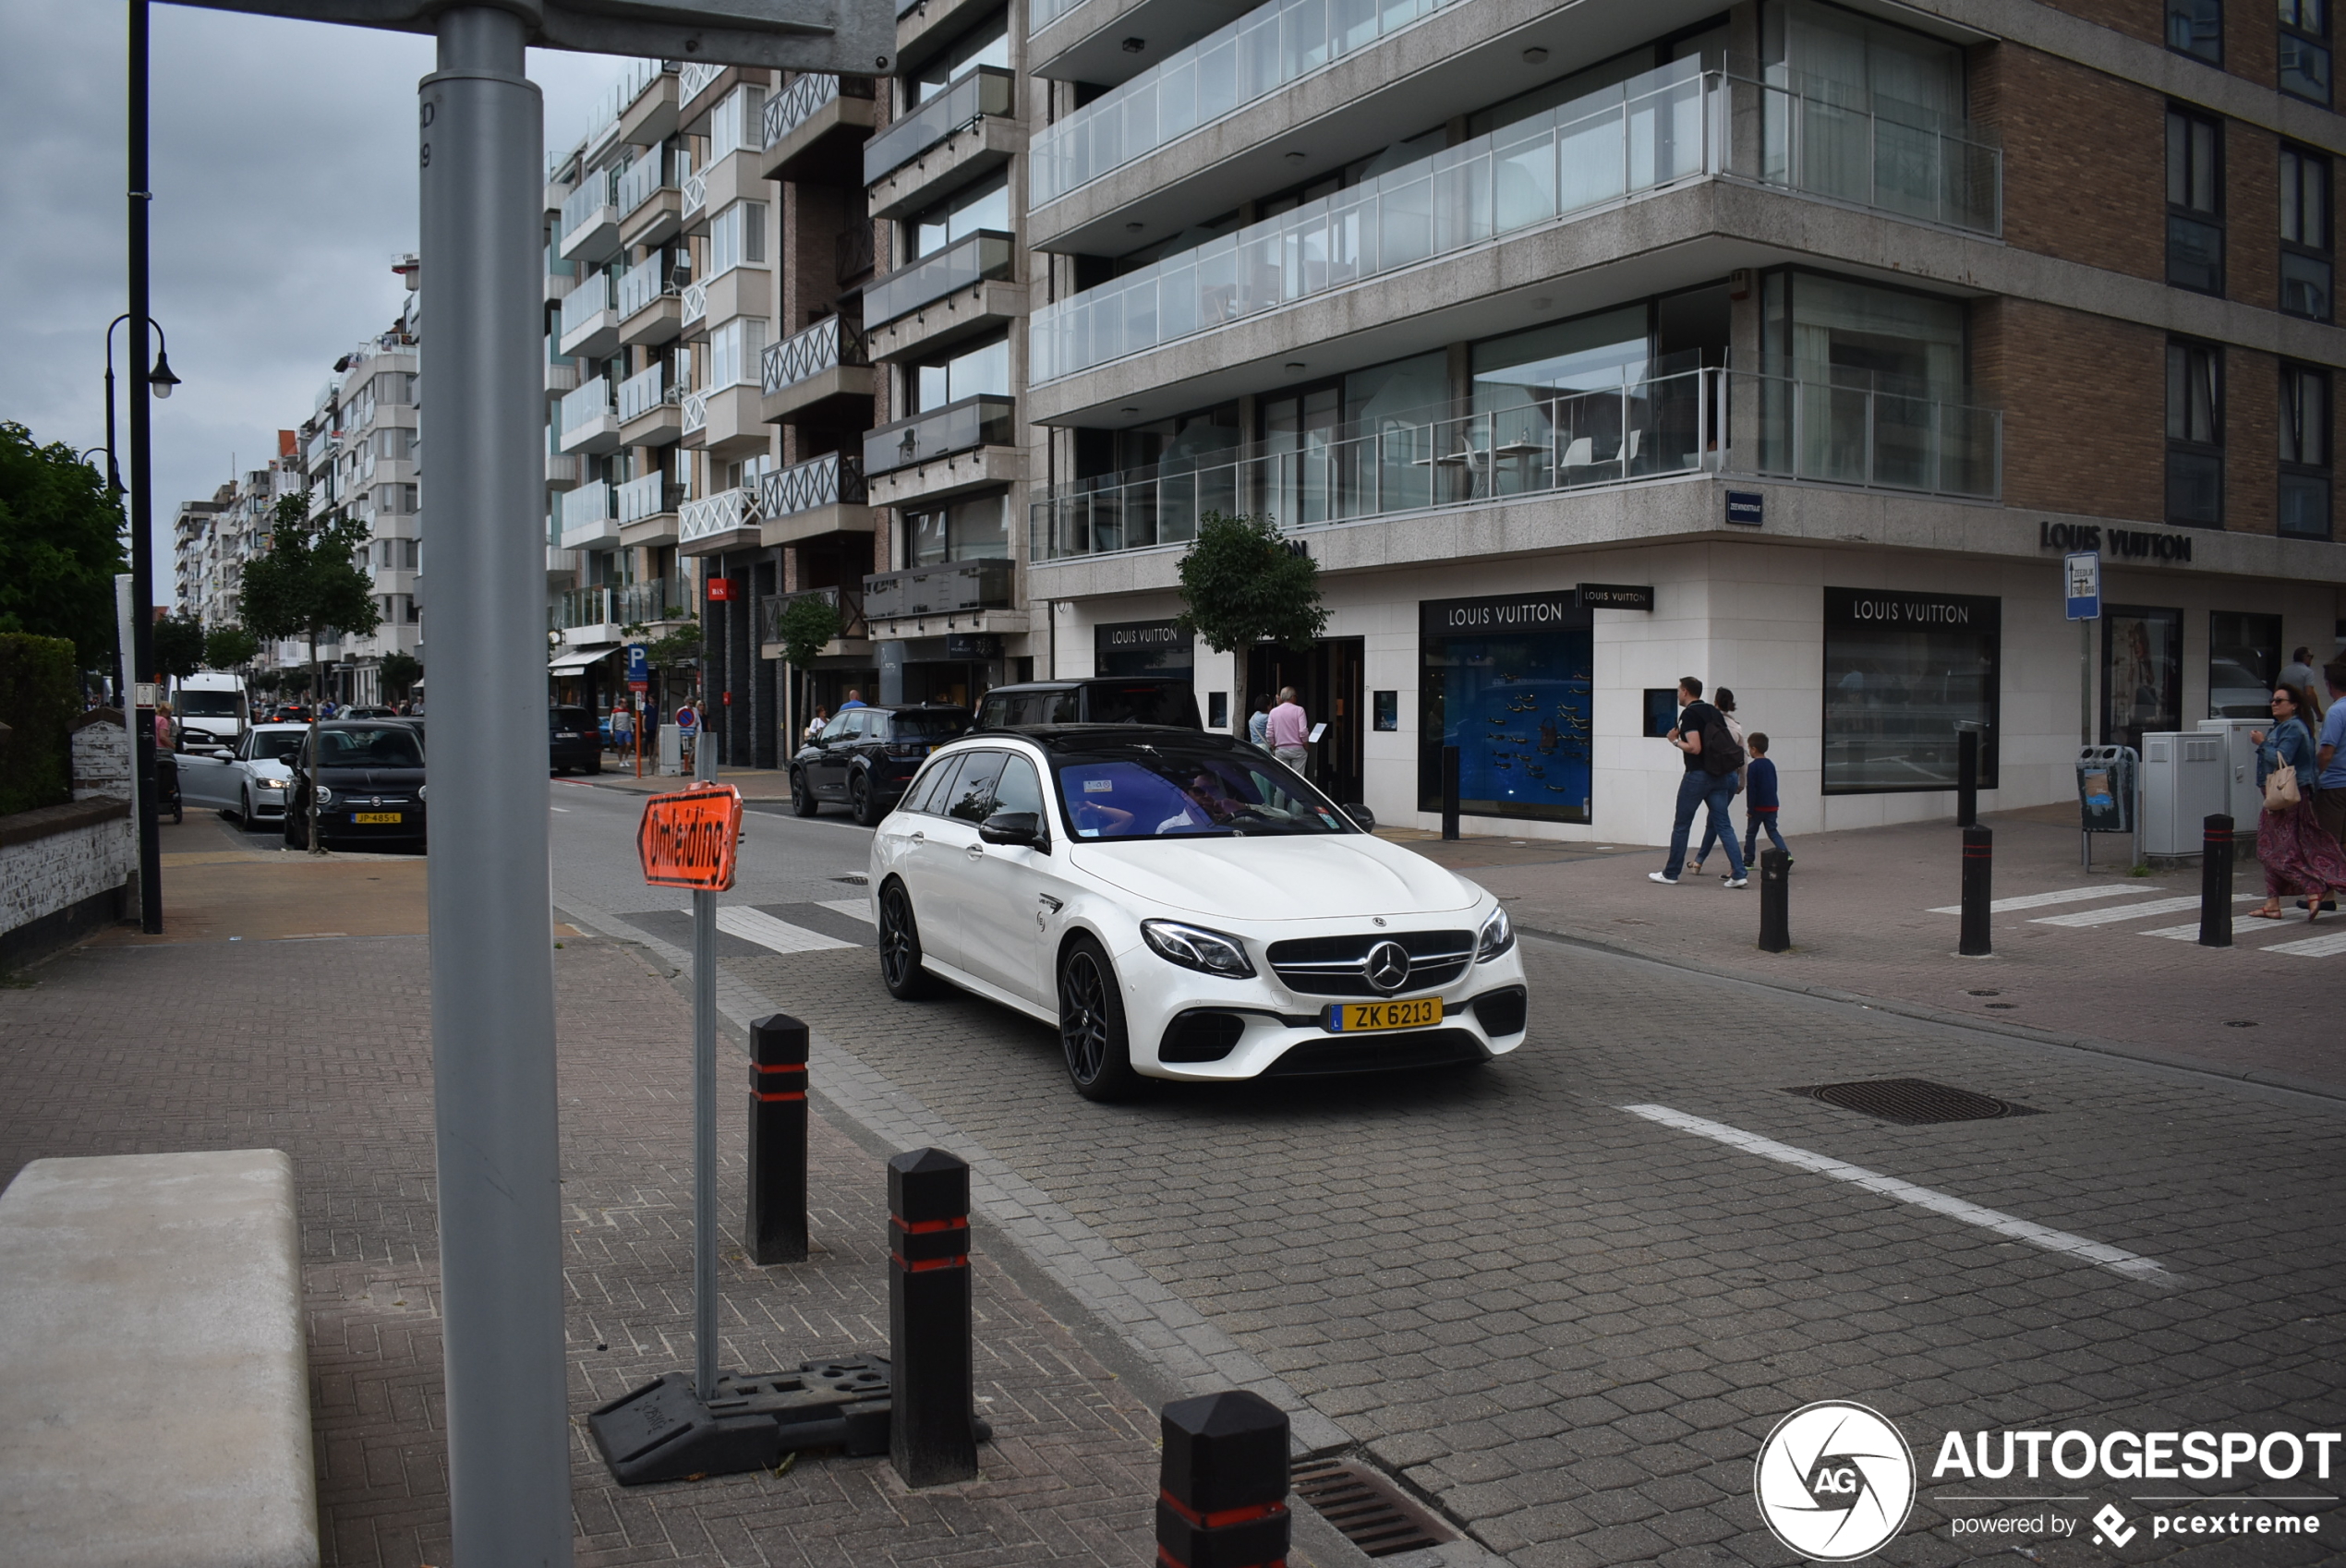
[1021, 828]
[1363, 816]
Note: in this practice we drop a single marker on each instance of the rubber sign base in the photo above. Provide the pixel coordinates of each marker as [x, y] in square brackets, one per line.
[664, 1431]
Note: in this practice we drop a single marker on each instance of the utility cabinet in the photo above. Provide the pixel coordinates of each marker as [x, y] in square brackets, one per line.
[2184, 781]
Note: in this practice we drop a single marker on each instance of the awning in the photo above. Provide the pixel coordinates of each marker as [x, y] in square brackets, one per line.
[571, 660]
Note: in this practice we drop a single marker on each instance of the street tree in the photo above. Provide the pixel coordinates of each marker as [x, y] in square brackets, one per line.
[807, 626]
[400, 671]
[230, 647]
[179, 647]
[61, 544]
[306, 585]
[1243, 583]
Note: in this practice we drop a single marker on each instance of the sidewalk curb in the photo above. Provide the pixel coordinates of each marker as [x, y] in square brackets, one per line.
[2263, 1078]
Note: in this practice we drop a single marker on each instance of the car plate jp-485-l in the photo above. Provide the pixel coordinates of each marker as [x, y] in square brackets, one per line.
[1356, 1018]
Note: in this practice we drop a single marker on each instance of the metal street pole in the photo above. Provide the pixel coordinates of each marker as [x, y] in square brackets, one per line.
[142, 480]
[705, 1111]
[492, 981]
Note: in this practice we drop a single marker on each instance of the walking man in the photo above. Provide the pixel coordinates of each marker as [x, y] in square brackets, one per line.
[1288, 730]
[2329, 751]
[1712, 757]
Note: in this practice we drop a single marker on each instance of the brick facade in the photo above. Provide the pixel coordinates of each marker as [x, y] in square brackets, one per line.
[2084, 159]
[2252, 444]
[2084, 401]
[2252, 215]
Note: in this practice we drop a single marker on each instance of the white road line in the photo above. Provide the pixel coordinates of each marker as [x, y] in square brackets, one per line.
[2132, 912]
[564, 810]
[2243, 934]
[2115, 1259]
[854, 909]
[756, 925]
[2312, 947]
[2039, 900]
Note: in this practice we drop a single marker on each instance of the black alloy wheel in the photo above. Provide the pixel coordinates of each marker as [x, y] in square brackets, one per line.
[900, 947]
[861, 803]
[802, 798]
[1099, 1053]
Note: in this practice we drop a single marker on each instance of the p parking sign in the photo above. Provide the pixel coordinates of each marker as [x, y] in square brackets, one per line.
[639, 663]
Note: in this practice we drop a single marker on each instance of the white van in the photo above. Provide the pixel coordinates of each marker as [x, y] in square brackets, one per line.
[210, 703]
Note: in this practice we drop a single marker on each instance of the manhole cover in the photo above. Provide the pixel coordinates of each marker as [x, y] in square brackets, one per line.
[1366, 1509]
[1983, 992]
[2002, 1007]
[2240, 1023]
[1912, 1102]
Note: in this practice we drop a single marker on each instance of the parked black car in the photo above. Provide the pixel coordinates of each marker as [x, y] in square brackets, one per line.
[865, 757]
[574, 741]
[370, 785]
[1143, 699]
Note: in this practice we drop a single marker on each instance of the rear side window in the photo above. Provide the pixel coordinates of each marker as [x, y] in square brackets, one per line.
[972, 799]
[920, 726]
[1059, 708]
[1137, 704]
[933, 787]
[1019, 788]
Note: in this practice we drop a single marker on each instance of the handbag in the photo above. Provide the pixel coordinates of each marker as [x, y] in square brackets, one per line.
[2281, 789]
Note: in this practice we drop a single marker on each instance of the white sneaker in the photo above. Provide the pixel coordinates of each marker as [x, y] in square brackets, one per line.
[1665, 881]
[1734, 882]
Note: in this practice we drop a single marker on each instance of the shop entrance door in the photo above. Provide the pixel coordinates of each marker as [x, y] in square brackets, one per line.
[1327, 679]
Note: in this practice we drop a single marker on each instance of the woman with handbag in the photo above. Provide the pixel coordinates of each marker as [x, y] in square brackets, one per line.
[2296, 854]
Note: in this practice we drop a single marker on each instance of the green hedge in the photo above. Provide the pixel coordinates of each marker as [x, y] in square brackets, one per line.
[40, 694]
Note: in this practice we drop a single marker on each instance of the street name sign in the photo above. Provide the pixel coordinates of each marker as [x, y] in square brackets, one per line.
[2081, 584]
[687, 838]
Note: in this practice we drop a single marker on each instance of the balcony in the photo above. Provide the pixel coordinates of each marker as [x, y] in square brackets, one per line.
[1243, 61]
[590, 219]
[925, 154]
[649, 602]
[561, 374]
[650, 207]
[696, 196]
[650, 308]
[825, 361]
[965, 596]
[564, 470]
[692, 79]
[1673, 427]
[1586, 154]
[727, 520]
[823, 495]
[649, 409]
[589, 422]
[589, 519]
[988, 254]
[695, 307]
[590, 324]
[963, 446]
[1890, 157]
[584, 616]
[848, 601]
[647, 510]
[815, 127]
[1076, 40]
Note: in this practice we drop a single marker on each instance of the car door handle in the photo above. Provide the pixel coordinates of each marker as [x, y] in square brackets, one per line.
[1050, 903]
[918, 839]
[975, 851]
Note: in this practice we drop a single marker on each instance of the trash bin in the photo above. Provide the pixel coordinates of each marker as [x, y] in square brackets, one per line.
[2106, 800]
[2184, 784]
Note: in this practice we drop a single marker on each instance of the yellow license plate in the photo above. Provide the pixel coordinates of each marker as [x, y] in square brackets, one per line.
[375, 818]
[1356, 1018]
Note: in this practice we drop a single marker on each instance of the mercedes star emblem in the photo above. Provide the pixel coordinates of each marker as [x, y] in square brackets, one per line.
[1388, 966]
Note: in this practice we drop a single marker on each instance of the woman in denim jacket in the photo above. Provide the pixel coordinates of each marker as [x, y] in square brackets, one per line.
[2296, 854]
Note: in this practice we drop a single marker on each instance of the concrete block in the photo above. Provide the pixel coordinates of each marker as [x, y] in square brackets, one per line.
[154, 1386]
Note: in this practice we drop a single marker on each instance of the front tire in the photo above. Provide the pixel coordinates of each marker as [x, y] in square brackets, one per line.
[860, 802]
[1092, 1031]
[900, 947]
[802, 798]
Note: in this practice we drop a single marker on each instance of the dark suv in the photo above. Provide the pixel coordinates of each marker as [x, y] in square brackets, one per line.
[865, 757]
[574, 741]
[1140, 699]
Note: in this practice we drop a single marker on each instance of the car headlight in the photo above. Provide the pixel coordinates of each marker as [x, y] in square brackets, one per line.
[325, 796]
[423, 793]
[271, 783]
[1195, 948]
[1498, 935]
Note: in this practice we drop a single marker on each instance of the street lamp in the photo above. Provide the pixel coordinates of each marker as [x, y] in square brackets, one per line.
[159, 381]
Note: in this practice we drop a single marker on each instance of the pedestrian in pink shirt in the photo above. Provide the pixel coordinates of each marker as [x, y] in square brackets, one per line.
[1290, 730]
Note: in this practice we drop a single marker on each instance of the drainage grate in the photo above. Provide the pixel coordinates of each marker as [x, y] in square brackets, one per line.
[1365, 1508]
[1913, 1101]
[854, 879]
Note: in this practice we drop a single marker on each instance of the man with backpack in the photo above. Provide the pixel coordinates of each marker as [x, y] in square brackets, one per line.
[1713, 755]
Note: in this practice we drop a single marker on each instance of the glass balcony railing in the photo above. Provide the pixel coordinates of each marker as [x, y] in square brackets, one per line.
[797, 103]
[638, 183]
[830, 342]
[582, 304]
[832, 479]
[1645, 427]
[952, 586]
[641, 284]
[578, 607]
[586, 514]
[1888, 156]
[987, 254]
[1041, 14]
[646, 389]
[719, 513]
[647, 496]
[1221, 73]
[655, 598]
[958, 426]
[981, 91]
[588, 404]
[1665, 126]
[595, 192]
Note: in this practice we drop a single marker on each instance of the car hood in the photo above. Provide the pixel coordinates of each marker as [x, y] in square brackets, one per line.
[1272, 879]
[266, 767]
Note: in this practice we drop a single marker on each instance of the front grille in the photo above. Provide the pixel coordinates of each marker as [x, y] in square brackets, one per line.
[1331, 965]
[1394, 1053]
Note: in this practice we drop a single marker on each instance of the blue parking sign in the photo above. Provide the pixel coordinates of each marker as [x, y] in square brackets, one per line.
[2081, 583]
[639, 662]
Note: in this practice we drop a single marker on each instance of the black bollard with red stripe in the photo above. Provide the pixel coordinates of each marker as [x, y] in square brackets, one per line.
[2216, 881]
[1222, 1485]
[933, 1435]
[776, 1221]
[1978, 890]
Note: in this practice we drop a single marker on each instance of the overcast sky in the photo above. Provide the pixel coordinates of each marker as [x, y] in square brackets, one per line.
[285, 180]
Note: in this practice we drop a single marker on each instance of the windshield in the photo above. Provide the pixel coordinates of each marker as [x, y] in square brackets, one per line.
[208, 704]
[930, 726]
[391, 746]
[275, 745]
[1169, 791]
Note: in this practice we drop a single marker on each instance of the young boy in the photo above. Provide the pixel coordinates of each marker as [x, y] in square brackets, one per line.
[1759, 800]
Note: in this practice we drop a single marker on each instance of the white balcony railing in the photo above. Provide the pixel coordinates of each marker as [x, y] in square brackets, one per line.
[695, 192]
[583, 407]
[696, 302]
[696, 406]
[719, 513]
[694, 78]
[643, 391]
[582, 304]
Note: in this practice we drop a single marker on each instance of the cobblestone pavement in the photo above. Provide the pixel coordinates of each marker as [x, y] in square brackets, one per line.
[1570, 1324]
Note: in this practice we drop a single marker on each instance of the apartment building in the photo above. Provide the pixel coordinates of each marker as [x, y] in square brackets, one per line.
[191, 537]
[1784, 344]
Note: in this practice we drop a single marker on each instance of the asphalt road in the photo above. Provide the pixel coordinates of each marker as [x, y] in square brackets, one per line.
[1565, 1298]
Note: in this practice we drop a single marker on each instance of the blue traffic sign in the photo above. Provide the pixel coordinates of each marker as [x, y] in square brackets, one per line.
[2081, 580]
[639, 662]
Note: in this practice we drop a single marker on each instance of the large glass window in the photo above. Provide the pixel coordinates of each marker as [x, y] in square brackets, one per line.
[1862, 107]
[2304, 453]
[985, 205]
[2243, 659]
[987, 43]
[733, 349]
[972, 371]
[2194, 434]
[2305, 259]
[2304, 50]
[737, 237]
[1905, 675]
[2194, 202]
[1508, 681]
[737, 122]
[2197, 28]
[974, 528]
[2142, 663]
[1860, 379]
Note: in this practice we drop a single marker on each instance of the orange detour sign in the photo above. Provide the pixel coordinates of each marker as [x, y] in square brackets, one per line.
[688, 838]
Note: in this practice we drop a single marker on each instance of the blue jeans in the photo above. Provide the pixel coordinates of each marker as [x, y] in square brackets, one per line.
[1699, 789]
[1753, 821]
[1712, 830]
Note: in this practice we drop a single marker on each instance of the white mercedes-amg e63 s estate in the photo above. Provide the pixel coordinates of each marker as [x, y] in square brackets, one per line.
[1182, 906]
